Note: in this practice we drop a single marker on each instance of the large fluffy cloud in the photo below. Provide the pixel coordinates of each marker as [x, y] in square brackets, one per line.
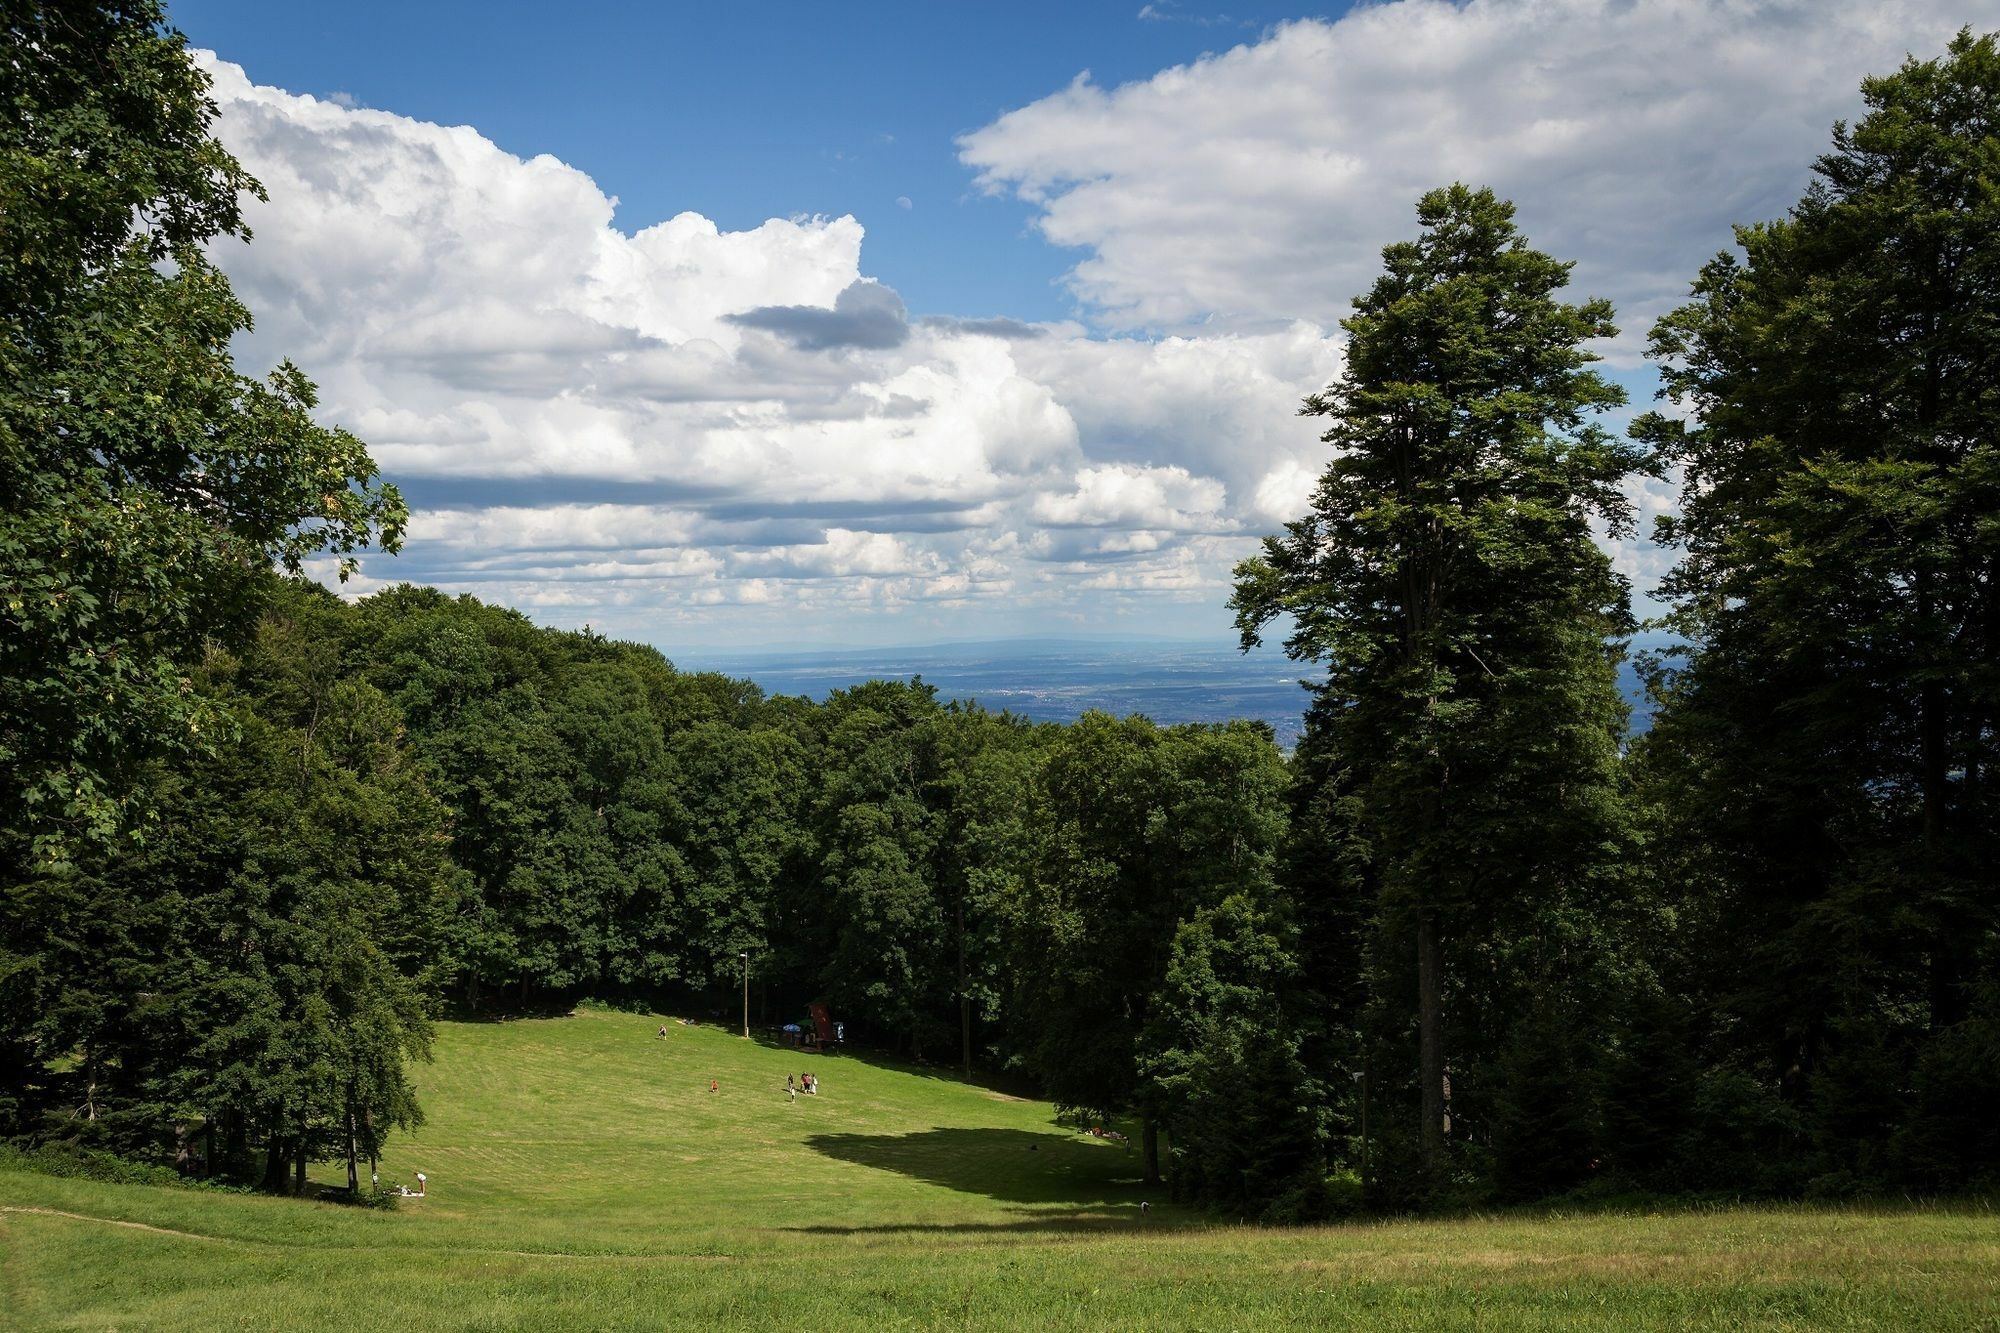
[1256, 187]
[736, 430]
[688, 432]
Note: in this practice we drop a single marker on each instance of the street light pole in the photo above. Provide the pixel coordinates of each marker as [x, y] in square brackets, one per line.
[745, 956]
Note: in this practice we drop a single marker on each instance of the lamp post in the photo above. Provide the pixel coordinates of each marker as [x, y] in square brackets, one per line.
[745, 956]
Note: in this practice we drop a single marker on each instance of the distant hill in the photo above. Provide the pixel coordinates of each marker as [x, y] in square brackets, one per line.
[1059, 679]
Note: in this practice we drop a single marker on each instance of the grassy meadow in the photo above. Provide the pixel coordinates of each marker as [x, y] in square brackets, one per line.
[582, 1175]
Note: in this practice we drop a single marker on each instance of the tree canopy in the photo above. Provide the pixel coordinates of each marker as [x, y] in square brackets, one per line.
[1824, 747]
[1447, 579]
[1472, 943]
[143, 480]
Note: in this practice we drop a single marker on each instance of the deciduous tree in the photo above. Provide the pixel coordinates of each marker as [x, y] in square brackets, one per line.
[143, 480]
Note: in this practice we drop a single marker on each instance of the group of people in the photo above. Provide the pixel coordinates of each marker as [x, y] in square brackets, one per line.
[794, 1083]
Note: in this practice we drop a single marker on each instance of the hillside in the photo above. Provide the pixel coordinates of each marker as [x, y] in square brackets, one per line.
[583, 1175]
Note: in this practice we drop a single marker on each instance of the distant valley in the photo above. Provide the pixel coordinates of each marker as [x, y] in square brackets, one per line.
[1058, 680]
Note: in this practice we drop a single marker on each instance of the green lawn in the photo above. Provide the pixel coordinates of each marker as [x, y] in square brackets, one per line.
[583, 1176]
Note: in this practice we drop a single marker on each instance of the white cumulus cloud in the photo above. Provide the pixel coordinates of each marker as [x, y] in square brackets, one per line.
[658, 429]
[1257, 186]
[686, 432]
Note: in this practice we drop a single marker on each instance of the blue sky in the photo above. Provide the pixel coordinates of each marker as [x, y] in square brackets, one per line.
[745, 112]
[714, 326]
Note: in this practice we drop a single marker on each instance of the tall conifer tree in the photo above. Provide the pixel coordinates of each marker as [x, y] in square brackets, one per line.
[1447, 577]
[1827, 747]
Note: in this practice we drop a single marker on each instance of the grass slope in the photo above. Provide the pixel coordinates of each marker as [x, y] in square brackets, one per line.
[583, 1176]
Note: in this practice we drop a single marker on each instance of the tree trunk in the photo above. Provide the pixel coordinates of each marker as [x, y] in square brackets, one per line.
[1936, 762]
[299, 1169]
[964, 999]
[274, 1164]
[235, 1142]
[353, 1158]
[1947, 999]
[1149, 1137]
[1430, 1041]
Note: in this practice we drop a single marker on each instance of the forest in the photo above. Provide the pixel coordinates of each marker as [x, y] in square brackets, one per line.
[257, 837]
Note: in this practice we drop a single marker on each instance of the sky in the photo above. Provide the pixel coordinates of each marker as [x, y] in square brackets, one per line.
[719, 326]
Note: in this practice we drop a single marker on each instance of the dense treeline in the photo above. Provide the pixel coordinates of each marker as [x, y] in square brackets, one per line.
[430, 801]
[1470, 943]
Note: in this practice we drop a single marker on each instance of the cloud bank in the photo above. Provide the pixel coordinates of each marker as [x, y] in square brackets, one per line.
[686, 431]
[1257, 186]
[691, 435]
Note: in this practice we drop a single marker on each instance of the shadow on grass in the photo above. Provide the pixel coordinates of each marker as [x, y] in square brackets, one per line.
[1012, 1165]
[507, 1009]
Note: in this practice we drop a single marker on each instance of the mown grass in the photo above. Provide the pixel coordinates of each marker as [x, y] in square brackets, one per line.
[583, 1176]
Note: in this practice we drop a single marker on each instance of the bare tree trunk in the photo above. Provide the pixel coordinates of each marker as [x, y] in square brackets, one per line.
[1430, 1041]
[353, 1158]
[235, 1140]
[964, 998]
[1947, 999]
[299, 1169]
[274, 1163]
